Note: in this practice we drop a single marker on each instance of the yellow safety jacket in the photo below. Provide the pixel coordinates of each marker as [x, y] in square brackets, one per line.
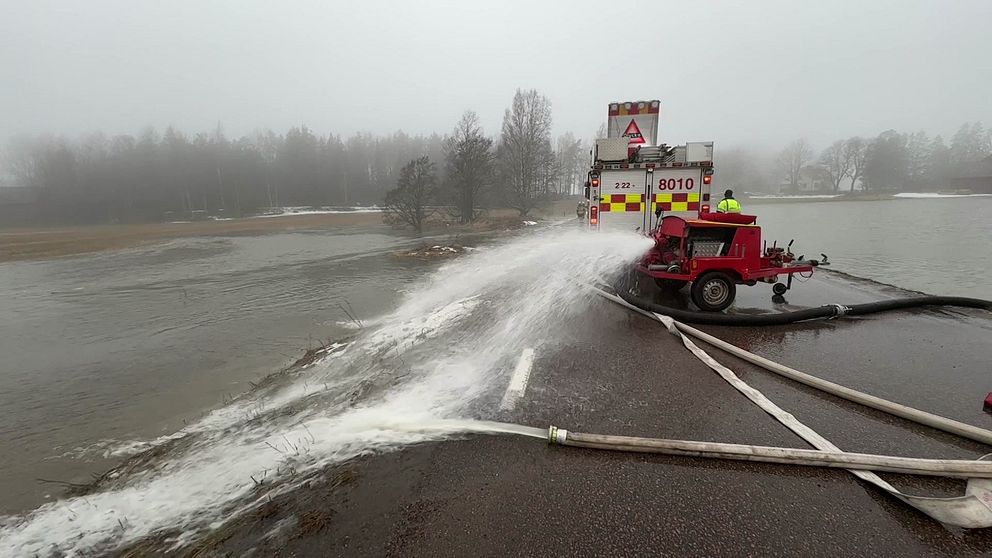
[728, 205]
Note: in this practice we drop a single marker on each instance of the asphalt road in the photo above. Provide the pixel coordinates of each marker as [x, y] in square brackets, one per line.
[615, 372]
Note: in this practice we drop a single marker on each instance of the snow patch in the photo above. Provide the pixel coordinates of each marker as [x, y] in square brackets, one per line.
[284, 211]
[935, 195]
[794, 197]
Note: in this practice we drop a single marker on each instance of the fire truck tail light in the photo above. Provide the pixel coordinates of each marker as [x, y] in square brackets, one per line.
[706, 208]
[594, 215]
[595, 182]
[707, 179]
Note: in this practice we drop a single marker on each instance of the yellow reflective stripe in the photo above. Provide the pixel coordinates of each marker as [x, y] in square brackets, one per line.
[667, 197]
[680, 206]
[621, 207]
[628, 198]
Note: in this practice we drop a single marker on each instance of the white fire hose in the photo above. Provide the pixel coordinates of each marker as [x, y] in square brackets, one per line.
[955, 468]
[971, 510]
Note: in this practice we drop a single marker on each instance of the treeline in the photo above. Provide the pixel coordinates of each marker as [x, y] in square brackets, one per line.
[164, 175]
[518, 169]
[889, 161]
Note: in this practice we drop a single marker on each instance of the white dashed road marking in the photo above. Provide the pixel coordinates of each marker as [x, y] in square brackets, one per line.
[518, 382]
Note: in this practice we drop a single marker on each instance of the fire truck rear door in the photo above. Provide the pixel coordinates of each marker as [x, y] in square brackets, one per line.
[622, 199]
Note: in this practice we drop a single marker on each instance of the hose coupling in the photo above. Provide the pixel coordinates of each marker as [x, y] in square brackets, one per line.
[839, 310]
[557, 435]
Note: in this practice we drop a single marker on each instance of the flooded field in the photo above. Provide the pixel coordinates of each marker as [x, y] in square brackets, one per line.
[129, 344]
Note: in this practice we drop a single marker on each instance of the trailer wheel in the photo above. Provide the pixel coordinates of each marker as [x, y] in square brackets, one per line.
[713, 291]
[670, 284]
[779, 288]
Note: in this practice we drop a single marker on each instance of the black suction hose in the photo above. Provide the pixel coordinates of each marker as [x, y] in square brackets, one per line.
[918, 301]
[783, 318]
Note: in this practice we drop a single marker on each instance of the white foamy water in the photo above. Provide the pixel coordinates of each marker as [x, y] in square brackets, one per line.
[415, 376]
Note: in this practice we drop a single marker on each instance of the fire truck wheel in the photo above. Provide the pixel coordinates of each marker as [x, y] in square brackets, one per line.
[713, 291]
[779, 288]
[670, 284]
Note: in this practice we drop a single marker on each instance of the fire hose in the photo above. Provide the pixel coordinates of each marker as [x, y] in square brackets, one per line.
[909, 413]
[829, 311]
[956, 468]
[971, 510]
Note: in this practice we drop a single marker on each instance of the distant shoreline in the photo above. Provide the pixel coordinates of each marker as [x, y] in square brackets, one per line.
[771, 199]
[816, 198]
[39, 243]
[46, 242]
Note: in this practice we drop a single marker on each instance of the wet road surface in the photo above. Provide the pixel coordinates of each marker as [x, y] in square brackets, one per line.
[615, 372]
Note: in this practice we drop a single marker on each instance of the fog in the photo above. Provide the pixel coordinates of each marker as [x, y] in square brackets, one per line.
[756, 73]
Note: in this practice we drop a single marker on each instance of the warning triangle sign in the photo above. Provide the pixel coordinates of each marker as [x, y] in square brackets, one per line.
[633, 133]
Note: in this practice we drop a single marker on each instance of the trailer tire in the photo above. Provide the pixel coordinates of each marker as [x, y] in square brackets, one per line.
[670, 284]
[713, 291]
[779, 288]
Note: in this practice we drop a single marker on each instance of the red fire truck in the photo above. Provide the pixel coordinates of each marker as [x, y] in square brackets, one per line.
[633, 181]
[664, 191]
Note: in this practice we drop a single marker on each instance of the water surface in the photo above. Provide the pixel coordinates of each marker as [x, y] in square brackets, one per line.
[939, 246]
[130, 344]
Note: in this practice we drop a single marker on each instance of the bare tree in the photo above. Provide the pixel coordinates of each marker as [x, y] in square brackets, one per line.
[568, 163]
[856, 154]
[792, 160]
[836, 163]
[407, 204]
[918, 159]
[267, 145]
[601, 132]
[470, 164]
[524, 152]
[20, 158]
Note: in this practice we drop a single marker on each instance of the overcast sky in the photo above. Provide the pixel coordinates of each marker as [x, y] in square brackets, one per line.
[733, 72]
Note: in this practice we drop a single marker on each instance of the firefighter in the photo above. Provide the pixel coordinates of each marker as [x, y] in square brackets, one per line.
[728, 204]
[580, 210]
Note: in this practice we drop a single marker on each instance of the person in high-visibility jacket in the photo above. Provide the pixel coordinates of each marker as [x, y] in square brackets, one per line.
[728, 204]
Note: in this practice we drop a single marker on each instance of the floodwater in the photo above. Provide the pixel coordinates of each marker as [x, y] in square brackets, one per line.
[129, 345]
[938, 246]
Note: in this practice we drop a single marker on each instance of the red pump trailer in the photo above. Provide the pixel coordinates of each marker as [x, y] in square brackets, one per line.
[715, 253]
